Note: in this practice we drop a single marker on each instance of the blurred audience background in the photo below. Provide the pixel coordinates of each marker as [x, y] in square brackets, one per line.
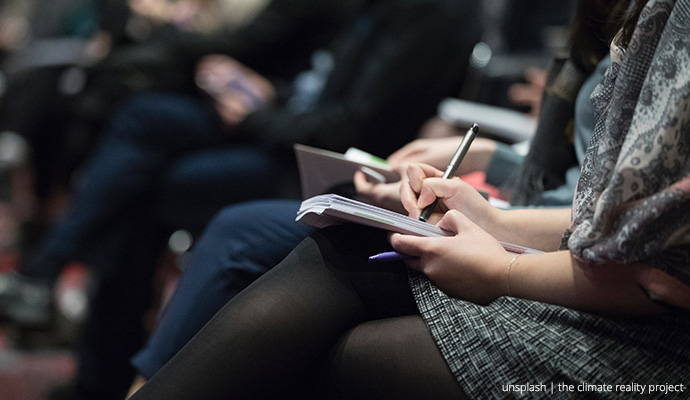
[67, 65]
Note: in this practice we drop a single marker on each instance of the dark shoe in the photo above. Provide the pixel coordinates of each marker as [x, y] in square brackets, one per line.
[25, 302]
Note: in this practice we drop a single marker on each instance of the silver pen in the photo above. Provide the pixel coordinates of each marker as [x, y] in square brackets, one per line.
[453, 166]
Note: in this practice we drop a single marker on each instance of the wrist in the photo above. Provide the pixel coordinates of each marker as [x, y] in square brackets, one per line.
[499, 281]
[514, 261]
[494, 221]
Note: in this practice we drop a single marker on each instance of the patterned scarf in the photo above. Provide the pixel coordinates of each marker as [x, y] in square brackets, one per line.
[633, 199]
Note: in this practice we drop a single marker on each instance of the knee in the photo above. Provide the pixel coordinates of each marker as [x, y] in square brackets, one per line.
[143, 118]
[254, 236]
[230, 239]
[257, 221]
[232, 221]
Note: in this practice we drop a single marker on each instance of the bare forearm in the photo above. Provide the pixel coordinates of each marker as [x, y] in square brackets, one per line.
[556, 278]
[535, 228]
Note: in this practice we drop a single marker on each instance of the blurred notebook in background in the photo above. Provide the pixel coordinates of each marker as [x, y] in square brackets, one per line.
[321, 170]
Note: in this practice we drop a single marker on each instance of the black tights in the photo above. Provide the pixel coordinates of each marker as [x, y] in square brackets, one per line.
[324, 323]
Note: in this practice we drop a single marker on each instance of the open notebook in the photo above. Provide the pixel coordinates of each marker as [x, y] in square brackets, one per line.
[331, 209]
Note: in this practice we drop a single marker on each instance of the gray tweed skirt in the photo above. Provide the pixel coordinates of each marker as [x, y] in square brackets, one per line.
[515, 348]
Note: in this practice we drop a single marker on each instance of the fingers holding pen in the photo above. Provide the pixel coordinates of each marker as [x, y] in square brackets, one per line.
[417, 172]
[423, 185]
[438, 188]
[426, 184]
[412, 184]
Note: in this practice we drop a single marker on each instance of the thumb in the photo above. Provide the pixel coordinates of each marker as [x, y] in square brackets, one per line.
[408, 244]
[433, 188]
[453, 221]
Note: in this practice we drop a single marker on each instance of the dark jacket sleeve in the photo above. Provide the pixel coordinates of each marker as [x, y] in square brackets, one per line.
[380, 93]
[280, 39]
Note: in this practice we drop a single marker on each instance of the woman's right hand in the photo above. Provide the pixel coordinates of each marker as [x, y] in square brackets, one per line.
[424, 183]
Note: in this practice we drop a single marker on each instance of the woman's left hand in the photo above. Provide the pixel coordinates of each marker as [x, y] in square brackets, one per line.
[471, 265]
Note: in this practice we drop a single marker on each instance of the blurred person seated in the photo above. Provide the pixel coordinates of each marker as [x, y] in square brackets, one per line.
[80, 59]
[170, 161]
[518, 36]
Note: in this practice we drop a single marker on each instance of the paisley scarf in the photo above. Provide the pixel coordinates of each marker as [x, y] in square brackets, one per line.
[632, 205]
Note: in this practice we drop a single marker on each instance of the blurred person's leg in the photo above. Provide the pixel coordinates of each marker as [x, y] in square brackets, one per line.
[240, 244]
[126, 258]
[34, 107]
[145, 136]
[15, 198]
[202, 183]
[119, 301]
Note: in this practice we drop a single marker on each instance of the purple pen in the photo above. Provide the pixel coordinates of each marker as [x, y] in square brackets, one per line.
[388, 256]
